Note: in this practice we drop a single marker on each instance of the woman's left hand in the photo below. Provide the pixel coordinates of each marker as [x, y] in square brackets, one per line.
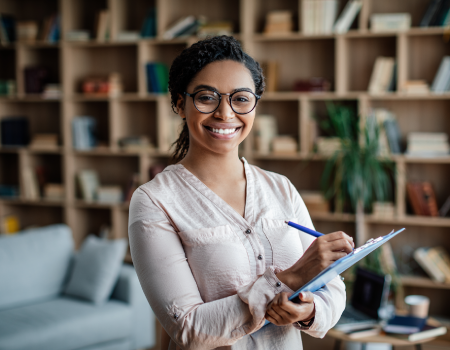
[282, 312]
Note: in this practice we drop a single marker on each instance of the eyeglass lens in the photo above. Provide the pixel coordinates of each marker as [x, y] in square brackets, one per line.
[241, 101]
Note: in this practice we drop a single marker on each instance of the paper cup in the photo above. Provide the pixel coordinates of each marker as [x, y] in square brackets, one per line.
[417, 305]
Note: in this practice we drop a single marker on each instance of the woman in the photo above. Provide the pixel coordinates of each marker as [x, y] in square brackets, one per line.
[207, 235]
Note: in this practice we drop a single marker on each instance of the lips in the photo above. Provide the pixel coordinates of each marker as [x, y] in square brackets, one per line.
[223, 132]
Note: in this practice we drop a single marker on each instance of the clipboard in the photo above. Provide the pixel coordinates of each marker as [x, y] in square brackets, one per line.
[341, 265]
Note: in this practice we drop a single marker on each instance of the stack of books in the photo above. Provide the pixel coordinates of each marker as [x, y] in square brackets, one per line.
[44, 141]
[327, 146]
[157, 77]
[441, 82]
[413, 328]
[54, 191]
[83, 133]
[437, 14]
[318, 16]
[422, 198]
[91, 191]
[428, 144]
[279, 22]
[109, 194]
[284, 144]
[27, 31]
[78, 35]
[136, 143]
[315, 202]
[186, 26]
[383, 76]
[435, 262]
[383, 210]
[415, 87]
[390, 22]
[52, 91]
[216, 28]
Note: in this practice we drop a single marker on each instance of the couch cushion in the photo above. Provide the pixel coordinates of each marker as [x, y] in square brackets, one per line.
[96, 269]
[63, 324]
[34, 264]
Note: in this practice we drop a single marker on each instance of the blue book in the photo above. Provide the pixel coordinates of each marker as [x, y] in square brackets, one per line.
[152, 79]
[405, 325]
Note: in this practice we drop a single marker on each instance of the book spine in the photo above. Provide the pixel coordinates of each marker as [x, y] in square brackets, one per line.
[429, 13]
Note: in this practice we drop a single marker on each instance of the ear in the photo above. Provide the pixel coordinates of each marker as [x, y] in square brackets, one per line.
[180, 106]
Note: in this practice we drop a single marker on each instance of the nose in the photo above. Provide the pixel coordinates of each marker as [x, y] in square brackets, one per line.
[224, 110]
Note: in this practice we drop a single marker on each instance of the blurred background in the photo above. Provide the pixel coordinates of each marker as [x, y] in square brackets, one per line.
[355, 114]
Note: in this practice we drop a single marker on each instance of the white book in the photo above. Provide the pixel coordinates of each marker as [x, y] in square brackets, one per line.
[89, 183]
[318, 15]
[347, 16]
[30, 183]
[387, 73]
[440, 80]
[389, 22]
[178, 26]
[375, 78]
[331, 7]
[308, 17]
[265, 130]
[428, 136]
[421, 256]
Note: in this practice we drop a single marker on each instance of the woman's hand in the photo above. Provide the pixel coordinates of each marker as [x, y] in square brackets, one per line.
[282, 312]
[321, 253]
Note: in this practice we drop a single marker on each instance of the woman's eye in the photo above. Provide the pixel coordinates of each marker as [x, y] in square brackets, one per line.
[240, 99]
[206, 98]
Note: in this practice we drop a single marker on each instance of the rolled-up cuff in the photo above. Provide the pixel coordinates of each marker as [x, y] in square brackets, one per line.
[259, 294]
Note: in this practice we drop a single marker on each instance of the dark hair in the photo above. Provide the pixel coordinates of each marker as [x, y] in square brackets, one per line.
[192, 60]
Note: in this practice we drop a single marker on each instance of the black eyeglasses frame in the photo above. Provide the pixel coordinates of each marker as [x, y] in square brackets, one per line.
[220, 100]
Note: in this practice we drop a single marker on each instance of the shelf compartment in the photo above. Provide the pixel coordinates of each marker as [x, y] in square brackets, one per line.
[361, 54]
[31, 214]
[100, 61]
[307, 58]
[113, 170]
[48, 168]
[99, 110]
[81, 15]
[9, 171]
[129, 15]
[89, 221]
[8, 64]
[135, 119]
[43, 118]
[265, 6]
[416, 8]
[220, 10]
[425, 54]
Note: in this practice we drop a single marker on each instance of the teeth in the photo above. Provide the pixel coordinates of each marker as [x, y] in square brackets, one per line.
[223, 131]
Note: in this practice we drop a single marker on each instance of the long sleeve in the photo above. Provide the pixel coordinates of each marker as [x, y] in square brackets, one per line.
[329, 300]
[172, 292]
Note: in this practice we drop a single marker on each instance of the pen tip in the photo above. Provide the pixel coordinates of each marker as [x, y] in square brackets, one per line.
[286, 222]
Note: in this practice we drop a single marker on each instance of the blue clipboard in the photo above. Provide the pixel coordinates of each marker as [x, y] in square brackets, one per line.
[341, 265]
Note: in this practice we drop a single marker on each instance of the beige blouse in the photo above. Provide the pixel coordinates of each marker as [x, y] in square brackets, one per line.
[209, 274]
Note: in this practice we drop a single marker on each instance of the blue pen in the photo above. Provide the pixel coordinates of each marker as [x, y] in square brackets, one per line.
[304, 229]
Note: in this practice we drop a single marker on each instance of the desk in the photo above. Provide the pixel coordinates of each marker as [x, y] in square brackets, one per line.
[381, 338]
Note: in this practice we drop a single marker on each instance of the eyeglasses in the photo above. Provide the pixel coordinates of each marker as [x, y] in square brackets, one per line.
[241, 102]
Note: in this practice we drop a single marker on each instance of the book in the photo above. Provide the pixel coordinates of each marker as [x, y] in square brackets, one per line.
[390, 22]
[427, 264]
[178, 27]
[404, 325]
[266, 129]
[427, 144]
[428, 331]
[89, 183]
[44, 141]
[328, 145]
[9, 191]
[14, 131]
[7, 29]
[382, 75]
[364, 332]
[430, 13]
[314, 84]
[102, 26]
[315, 201]
[442, 77]
[442, 260]
[27, 31]
[30, 183]
[270, 70]
[347, 16]
[83, 133]
[78, 35]
[393, 135]
[157, 75]
[148, 29]
[318, 16]
[109, 194]
[445, 209]
[419, 87]
[278, 22]
[422, 198]
[284, 144]
[383, 210]
[441, 15]
[54, 191]
[215, 28]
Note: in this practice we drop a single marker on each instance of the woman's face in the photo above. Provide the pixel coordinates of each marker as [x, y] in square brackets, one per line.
[222, 130]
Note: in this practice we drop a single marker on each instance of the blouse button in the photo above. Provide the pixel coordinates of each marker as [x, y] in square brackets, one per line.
[248, 231]
[278, 284]
[176, 316]
[260, 257]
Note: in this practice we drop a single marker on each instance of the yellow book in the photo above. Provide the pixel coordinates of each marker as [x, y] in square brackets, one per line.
[10, 225]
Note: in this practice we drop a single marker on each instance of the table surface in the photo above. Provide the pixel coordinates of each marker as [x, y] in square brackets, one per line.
[380, 338]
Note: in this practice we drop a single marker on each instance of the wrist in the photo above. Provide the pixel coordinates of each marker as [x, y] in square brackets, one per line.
[290, 278]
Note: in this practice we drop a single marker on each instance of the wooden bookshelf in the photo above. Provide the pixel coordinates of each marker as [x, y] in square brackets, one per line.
[346, 60]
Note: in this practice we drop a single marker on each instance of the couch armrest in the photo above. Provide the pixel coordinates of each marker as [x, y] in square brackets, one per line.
[128, 290]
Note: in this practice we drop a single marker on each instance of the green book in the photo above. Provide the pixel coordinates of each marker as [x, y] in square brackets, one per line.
[162, 75]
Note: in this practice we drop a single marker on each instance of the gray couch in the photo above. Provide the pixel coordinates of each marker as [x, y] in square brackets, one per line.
[34, 314]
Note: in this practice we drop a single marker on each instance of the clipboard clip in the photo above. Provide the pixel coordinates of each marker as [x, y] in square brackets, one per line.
[367, 244]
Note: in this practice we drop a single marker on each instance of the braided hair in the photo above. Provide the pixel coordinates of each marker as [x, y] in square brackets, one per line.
[192, 60]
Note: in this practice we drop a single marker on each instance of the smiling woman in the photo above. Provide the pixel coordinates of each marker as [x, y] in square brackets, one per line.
[207, 235]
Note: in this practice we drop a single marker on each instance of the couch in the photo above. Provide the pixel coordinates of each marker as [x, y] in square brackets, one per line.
[36, 314]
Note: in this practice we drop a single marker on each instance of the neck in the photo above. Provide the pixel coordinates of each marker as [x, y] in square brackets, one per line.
[211, 167]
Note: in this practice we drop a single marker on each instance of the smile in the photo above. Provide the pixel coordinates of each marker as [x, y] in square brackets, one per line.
[222, 131]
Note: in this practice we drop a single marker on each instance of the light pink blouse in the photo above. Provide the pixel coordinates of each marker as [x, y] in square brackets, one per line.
[204, 268]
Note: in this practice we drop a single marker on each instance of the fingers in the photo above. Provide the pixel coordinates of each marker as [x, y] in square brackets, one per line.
[339, 235]
[340, 245]
[306, 297]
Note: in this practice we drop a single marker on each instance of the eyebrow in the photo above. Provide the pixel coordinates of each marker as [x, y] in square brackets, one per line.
[208, 87]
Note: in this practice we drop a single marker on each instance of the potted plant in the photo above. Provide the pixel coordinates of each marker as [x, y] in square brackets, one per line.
[355, 172]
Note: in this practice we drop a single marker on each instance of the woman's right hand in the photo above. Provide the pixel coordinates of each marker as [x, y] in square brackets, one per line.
[320, 254]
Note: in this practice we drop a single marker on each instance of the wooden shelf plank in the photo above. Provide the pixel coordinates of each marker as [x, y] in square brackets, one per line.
[336, 217]
[38, 202]
[424, 282]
